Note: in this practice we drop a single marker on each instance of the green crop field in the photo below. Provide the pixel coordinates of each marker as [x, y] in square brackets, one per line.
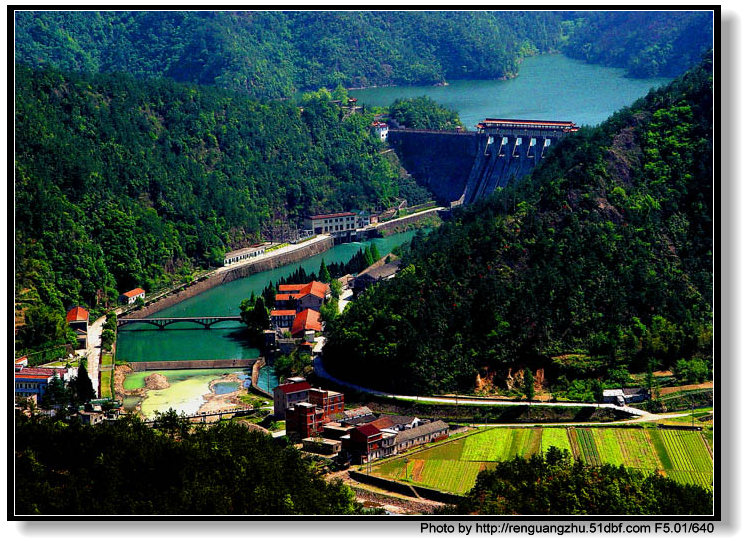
[555, 437]
[453, 467]
[488, 445]
[608, 445]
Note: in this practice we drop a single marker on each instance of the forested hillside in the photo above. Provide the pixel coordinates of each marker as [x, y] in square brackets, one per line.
[273, 54]
[119, 181]
[599, 264]
[647, 43]
[129, 468]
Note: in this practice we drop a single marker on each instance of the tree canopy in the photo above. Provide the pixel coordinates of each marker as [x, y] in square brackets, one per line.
[601, 259]
[127, 468]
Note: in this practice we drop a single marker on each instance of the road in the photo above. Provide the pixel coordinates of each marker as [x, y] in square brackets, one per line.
[642, 415]
[93, 351]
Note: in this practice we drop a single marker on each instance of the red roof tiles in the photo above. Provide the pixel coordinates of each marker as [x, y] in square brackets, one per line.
[294, 387]
[77, 314]
[134, 292]
[306, 320]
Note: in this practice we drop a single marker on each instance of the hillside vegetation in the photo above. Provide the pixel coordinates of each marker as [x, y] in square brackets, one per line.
[646, 43]
[128, 468]
[120, 182]
[598, 264]
[271, 54]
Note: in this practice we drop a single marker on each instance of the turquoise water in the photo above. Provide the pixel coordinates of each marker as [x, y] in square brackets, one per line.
[547, 87]
[267, 379]
[145, 343]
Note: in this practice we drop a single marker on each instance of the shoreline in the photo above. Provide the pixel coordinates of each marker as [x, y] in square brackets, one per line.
[209, 403]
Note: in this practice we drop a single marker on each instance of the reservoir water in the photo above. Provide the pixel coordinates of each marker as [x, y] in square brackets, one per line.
[547, 87]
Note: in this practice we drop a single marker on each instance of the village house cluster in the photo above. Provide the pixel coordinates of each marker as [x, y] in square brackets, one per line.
[318, 418]
[297, 309]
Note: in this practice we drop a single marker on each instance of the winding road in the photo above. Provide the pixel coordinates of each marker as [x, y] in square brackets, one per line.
[641, 415]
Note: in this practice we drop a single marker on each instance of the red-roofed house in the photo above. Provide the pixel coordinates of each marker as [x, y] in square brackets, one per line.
[288, 394]
[302, 296]
[367, 442]
[77, 318]
[306, 320]
[381, 129]
[131, 296]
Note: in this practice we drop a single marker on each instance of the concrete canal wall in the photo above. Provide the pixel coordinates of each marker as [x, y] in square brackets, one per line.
[224, 275]
[141, 366]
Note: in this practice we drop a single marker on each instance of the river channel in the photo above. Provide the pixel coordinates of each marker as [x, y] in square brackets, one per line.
[547, 87]
[140, 343]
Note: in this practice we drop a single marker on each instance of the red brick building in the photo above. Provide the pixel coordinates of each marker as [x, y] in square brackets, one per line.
[288, 394]
[304, 420]
[331, 402]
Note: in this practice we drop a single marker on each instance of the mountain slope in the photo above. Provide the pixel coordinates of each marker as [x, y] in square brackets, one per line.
[601, 261]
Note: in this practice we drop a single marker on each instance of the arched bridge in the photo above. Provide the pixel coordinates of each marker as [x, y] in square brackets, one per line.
[163, 322]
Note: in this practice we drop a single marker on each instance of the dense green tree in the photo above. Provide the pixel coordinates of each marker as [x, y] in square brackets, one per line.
[123, 184]
[424, 113]
[82, 387]
[65, 468]
[593, 266]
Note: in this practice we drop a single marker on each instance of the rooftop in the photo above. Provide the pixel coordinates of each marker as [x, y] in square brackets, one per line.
[242, 251]
[306, 320]
[335, 215]
[134, 292]
[282, 313]
[79, 313]
[294, 387]
[368, 429]
[421, 430]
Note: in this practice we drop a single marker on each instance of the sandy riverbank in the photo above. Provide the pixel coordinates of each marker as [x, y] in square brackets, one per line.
[200, 403]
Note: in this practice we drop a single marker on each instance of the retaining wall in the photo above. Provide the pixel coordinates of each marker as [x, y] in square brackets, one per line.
[177, 365]
[401, 223]
[405, 489]
[243, 271]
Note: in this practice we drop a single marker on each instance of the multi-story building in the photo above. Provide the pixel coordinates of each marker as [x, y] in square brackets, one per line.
[282, 319]
[304, 420]
[339, 224]
[288, 394]
[331, 402]
[302, 296]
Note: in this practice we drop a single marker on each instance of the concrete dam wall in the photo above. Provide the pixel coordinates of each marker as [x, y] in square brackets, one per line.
[466, 166]
[441, 161]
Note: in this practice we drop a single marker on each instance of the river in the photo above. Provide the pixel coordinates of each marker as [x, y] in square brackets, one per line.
[144, 343]
[547, 87]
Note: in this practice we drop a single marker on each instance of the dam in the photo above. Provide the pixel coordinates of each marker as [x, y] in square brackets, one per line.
[462, 166]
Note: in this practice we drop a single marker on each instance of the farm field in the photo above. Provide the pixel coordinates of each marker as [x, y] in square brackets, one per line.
[453, 467]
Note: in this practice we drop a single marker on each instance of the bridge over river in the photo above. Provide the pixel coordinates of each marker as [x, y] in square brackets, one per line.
[163, 322]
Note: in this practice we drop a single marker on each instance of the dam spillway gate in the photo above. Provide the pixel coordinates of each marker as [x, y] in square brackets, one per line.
[463, 167]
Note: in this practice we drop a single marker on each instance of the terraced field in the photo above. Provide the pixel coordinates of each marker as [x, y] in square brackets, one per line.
[453, 467]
